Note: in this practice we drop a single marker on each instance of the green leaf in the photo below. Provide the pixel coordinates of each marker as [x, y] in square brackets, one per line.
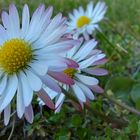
[62, 134]
[76, 120]
[135, 93]
[121, 87]
[120, 84]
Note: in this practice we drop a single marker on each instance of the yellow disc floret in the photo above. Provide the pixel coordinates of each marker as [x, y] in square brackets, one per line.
[83, 20]
[15, 55]
[70, 72]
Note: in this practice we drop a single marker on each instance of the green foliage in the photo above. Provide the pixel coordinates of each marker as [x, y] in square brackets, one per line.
[120, 39]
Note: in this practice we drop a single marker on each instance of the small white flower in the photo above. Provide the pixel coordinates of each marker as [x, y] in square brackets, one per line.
[85, 22]
[27, 52]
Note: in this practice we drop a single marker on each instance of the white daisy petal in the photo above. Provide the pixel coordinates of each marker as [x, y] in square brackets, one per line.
[59, 64]
[81, 10]
[88, 46]
[36, 86]
[89, 9]
[52, 94]
[99, 12]
[79, 93]
[57, 110]
[47, 15]
[60, 100]
[25, 21]
[20, 104]
[5, 20]
[76, 13]
[90, 28]
[3, 35]
[74, 50]
[86, 91]
[3, 84]
[39, 68]
[61, 46]
[53, 24]
[26, 89]
[88, 62]
[87, 79]
[44, 22]
[32, 33]
[14, 19]
[7, 25]
[54, 36]
[9, 92]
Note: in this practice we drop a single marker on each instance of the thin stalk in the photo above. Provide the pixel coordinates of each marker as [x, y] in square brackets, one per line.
[123, 105]
[110, 43]
[12, 130]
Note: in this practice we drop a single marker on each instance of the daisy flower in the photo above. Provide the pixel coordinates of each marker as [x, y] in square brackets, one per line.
[27, 51]
[83, 83]
[85, 22]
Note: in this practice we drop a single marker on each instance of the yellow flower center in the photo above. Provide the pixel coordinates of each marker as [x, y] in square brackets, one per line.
[15, 55]
[70, 72]
[83, 20]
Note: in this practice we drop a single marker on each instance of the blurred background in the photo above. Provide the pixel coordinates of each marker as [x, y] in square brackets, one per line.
[120, 40]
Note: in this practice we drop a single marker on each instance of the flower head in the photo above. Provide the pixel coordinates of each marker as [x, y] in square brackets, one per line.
[27, 52]
[84, 83]
[85, 22]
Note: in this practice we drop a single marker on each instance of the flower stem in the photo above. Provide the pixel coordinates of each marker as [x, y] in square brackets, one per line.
[12, 130]
[122, 105]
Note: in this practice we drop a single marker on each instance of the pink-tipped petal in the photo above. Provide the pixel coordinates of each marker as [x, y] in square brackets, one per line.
[29, 115]
[46, 99]
[71, 63]
[61, 77]
[97, 88]
[7, 112]
[96, 71]
[87, 102]
[50, 82]
[100, 62]
[77, 106]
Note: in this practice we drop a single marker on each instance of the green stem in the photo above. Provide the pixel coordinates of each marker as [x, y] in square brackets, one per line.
[13, 126]
[122, 105]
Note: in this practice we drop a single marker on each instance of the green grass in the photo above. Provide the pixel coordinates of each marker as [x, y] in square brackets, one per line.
[120, 39]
